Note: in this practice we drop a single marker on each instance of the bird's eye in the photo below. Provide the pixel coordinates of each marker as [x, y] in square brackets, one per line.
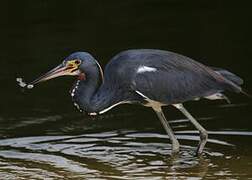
[77, 62]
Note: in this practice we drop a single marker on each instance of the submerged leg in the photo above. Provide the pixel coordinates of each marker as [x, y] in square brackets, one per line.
[167, 127]
[202, 131]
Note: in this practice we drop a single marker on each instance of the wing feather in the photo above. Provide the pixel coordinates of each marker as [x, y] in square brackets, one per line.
[175, 86]
[177, 78]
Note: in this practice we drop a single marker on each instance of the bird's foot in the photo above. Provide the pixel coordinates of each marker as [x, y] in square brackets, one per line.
[175, 147]
[202, 143]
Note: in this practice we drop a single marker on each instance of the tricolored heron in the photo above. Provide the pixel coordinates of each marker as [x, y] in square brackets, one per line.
[153, 78]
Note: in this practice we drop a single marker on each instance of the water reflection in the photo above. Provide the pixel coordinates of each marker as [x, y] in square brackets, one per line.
[121, 154]
[47, 145]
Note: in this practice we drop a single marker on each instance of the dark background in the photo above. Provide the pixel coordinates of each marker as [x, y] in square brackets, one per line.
[41, 33]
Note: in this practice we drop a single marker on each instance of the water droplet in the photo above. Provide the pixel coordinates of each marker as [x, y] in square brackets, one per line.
[30, 86]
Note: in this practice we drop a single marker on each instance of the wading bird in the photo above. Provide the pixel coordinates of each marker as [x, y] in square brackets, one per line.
[153, 78]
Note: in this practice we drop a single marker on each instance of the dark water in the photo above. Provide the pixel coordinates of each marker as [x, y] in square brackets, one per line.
[44, 137]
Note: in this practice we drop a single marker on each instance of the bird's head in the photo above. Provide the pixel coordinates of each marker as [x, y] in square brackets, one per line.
[76, 64]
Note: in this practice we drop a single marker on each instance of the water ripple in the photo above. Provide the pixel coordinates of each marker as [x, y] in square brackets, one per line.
[125, 154]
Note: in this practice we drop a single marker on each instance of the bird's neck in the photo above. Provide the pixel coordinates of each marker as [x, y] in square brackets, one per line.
[91, 94]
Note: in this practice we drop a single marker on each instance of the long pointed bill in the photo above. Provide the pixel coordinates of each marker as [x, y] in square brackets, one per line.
[71, 68]
[58, 71]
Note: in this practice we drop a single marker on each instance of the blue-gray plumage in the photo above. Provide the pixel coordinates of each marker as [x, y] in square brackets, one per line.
[176, 79]
[153, 78]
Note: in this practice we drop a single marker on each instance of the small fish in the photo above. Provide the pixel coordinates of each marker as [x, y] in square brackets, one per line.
[23, 84]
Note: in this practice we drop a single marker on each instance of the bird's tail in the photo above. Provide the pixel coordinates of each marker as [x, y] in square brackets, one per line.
[233, 80]
[229, 76]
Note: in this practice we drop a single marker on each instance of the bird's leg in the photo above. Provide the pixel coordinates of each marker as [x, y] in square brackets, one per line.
[167, 127]
[202, 131]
